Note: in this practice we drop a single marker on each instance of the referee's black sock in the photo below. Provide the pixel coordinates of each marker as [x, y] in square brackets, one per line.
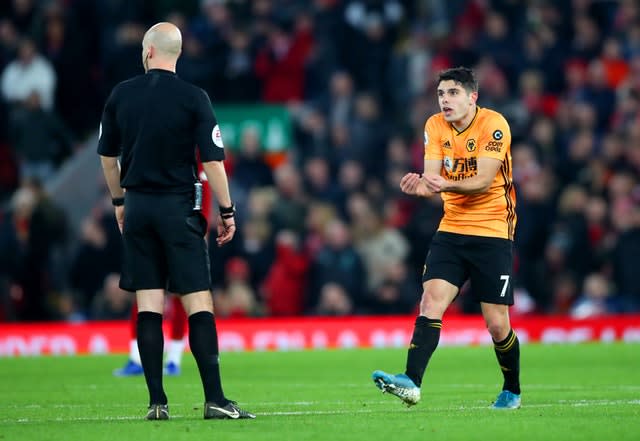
[508, 353]
[203, 340]
[151, 347]
[426, 334]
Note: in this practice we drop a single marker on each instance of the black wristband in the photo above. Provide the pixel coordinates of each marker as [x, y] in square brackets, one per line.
[117, 202]
[227, 210]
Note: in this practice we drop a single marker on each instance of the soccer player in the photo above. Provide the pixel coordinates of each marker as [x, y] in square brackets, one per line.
[178, 316]
[467, 161]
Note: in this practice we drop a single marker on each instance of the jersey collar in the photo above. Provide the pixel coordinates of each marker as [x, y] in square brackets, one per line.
[162, 71]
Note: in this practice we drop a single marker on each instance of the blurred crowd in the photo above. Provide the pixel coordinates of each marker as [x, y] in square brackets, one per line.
[325, 230]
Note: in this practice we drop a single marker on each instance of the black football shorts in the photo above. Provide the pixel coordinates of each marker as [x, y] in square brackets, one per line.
[164, 244]
[486, 261]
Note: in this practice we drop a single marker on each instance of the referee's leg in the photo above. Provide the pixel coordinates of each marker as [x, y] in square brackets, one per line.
[203, 340]
[151, 341]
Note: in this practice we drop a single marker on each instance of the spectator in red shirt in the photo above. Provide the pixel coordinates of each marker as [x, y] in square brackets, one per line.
[280, 65]
[285, 283]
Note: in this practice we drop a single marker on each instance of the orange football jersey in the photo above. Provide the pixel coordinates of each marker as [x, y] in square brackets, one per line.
[489, 214]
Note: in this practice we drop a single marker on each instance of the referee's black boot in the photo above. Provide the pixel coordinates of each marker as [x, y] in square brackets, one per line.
[157, 412]
[230, 411]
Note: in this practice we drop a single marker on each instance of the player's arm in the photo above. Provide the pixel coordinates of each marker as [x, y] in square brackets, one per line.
[416, 184]
[480, 183]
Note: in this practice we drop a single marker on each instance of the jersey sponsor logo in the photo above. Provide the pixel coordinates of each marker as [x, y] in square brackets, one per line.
[493, 146]
[461, 168]
[216, 136]
[465, 165]
[446, 145]
[497, 134]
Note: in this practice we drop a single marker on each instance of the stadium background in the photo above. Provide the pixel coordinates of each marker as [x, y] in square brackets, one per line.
[322, 105]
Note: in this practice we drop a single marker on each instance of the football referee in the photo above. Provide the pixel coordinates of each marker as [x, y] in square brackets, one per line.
[155, 122]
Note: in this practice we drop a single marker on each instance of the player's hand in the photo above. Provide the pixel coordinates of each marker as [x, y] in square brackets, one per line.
[435, 183]
[226, 230]
[413, 184]
[120, 217]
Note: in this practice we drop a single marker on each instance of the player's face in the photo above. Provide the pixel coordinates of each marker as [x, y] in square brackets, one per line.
[455, 102]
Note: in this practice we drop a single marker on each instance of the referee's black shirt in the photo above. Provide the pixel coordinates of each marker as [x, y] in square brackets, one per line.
[154, 122]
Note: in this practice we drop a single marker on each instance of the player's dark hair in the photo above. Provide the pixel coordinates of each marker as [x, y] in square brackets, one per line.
[462, 76]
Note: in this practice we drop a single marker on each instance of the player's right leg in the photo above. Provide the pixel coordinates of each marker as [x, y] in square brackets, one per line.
[445, 271]
[437, 296]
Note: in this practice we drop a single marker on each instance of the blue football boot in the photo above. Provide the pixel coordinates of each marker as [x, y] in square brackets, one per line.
[507, 400]
[399, 385]
[171, 369]
[129, 370]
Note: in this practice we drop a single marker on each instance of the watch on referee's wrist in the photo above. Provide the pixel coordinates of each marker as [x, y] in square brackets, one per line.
[117, 202]
[227, 212]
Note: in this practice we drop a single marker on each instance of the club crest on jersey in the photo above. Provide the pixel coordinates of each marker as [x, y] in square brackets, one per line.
[497, 135]
[216, 136]
[471, 145]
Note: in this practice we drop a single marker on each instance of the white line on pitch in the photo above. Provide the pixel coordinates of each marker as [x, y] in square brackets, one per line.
[573, 403]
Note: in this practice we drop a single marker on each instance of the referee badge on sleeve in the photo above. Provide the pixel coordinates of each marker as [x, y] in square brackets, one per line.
[216, 136]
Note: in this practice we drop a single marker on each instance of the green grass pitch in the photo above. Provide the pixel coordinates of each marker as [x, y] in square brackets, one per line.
[570, 392]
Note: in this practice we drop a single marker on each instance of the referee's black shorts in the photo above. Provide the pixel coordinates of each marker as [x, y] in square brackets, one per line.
[164, 245]
[486, 261]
